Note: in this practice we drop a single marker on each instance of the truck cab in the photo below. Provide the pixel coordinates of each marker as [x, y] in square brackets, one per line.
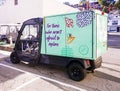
[27, 46]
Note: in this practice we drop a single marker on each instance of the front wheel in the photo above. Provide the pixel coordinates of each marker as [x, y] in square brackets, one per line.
[14, 58]
[76, 72]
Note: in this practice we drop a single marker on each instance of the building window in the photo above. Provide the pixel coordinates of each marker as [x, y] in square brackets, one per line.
[115, 22]
[15, 2]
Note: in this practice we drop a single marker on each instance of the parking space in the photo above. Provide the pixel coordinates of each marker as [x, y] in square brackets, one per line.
[12, 79]
[15, 79]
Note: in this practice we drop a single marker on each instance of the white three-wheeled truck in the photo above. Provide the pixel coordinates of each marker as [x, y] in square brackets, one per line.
[75, 41]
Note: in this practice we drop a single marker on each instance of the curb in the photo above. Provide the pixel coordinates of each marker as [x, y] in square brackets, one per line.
[113, 33]
[5, 48]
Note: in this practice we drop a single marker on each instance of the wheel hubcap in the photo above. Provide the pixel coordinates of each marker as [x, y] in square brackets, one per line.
[75, 72]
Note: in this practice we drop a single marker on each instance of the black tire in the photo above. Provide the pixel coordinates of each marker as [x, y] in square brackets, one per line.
[14, 58]
[76, 72]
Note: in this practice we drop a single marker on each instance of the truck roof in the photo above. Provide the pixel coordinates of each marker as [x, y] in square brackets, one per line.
[33, 21]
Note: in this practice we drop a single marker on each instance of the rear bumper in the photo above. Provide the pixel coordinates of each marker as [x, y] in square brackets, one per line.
[98, 62]
[95, 64]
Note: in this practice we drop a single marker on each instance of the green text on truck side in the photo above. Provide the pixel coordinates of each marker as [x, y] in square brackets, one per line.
[75, 41]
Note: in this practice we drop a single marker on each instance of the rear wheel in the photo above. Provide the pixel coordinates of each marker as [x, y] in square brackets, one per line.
[14, 58]
[76, 72]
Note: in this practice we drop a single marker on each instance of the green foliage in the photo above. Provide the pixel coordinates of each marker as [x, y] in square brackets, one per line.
[82, 2]
[104, 2]
[109, 4]
[117, 4]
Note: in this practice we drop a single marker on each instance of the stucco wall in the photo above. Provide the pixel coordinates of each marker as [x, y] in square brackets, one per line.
[10, 13]
[26, 9]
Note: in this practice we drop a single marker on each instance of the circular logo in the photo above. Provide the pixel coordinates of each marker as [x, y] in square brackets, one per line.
[83, 49]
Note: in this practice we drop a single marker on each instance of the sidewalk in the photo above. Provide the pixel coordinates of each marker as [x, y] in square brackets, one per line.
[4, 55]
[114, 33]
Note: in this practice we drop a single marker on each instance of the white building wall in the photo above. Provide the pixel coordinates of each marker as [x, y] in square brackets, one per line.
[26, 9]
[113, 22]
[10, 13]
[52, 7]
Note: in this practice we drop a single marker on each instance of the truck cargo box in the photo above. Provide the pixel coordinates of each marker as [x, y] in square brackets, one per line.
[78, 35]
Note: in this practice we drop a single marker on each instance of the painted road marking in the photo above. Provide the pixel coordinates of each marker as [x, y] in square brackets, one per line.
[42, 77]
[25, 84]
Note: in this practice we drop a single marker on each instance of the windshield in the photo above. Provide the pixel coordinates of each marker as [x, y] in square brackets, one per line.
[30, 31]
